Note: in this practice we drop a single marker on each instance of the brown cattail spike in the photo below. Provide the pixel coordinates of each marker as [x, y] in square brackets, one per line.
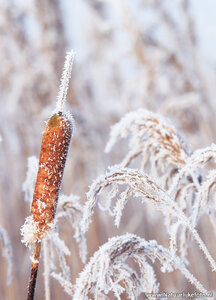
[54, 149]
[53, 154]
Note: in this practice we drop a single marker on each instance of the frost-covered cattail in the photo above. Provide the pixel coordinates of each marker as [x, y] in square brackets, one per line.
[53, 154]
[54, 149]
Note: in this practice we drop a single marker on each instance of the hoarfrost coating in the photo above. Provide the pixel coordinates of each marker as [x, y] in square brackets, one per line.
[141, 185]
[66, 74]
[107, 269]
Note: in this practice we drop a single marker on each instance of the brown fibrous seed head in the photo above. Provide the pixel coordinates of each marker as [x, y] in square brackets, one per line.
[54, 149]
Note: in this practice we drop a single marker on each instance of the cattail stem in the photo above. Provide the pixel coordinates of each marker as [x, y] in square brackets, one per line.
[46, 269]
[53, 154]
[34, 270]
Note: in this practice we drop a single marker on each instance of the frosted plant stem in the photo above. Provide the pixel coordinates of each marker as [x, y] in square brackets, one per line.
[34, 270]
[200, 243]
[190, 277]
[46, 270]
[66, 74]
[204, 249]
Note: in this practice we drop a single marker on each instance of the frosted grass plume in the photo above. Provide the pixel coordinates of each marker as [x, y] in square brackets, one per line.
[139, 185]
[149, 133]
[107, 269]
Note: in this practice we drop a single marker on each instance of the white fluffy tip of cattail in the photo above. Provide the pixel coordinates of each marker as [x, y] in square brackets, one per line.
[30, 230]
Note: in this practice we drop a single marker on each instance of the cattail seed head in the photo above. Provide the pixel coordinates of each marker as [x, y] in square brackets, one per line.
[54, 149]
[53, 154]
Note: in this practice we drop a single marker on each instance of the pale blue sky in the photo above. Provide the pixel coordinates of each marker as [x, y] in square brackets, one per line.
[204, 12]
